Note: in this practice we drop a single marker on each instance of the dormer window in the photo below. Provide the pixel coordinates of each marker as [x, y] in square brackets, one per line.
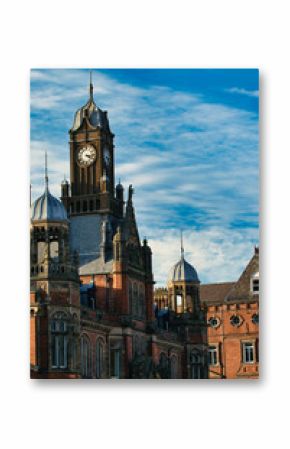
[255, 284]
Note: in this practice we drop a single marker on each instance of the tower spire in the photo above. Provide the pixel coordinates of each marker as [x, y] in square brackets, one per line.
[91, 87]
[181, 245]
[46, 175]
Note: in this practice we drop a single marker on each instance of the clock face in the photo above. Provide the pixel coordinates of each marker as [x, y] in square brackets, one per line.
[87, 155]
[107, 156]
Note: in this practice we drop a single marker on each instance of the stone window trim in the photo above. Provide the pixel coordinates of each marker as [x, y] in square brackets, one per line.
[249, 342]
[214, 321]
[255, 319]
[255, 283]
[213, 348]
[86, 361]
[236, 320]
[59, 351]
[100, 356]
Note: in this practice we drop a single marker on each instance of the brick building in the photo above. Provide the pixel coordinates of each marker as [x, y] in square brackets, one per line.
[232, 310]
[231, 317]
[92, 312]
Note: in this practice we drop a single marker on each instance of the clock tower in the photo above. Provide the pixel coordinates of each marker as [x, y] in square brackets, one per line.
[91, 198]
[92, 173]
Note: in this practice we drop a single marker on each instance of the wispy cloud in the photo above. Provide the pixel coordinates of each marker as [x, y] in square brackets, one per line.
[240, 91]
[193, 163]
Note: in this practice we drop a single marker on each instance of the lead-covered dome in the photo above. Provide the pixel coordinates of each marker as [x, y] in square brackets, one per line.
[95, 116]
[183, 271]
[47, 208]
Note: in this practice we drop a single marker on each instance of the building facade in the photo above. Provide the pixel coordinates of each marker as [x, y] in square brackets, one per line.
[93, 311]
[230, 348]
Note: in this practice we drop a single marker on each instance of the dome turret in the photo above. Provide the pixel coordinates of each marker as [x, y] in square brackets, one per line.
[182, 270]
[47, 207]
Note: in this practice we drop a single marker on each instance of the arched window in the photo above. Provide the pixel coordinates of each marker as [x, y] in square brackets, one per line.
[196, 365]
[85, 356]
[99, 358]
[59, 341]
[115, 361]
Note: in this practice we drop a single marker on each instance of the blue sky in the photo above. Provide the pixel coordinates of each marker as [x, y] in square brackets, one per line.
[188, 142]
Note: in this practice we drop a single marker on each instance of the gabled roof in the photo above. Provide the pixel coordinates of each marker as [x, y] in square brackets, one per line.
[241, 291]
[229, 292]
[215, 293]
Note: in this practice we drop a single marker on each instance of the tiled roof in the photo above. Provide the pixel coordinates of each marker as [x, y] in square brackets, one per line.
[241, 291]
[215, 293]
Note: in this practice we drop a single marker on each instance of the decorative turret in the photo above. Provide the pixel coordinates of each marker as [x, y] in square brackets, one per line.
[95, 117]
[55, 301]
[47, 207]
[106, 240]
[50, 254]
[183, 286]
[119, 191]
[65, 188]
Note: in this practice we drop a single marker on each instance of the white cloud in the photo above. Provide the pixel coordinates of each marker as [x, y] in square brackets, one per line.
[193, 164]
[249, 93]
[217, 254]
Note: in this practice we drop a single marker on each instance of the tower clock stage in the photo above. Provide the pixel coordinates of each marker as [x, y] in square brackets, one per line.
[95, 206]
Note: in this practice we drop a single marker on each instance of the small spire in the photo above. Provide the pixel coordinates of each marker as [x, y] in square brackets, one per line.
[91, 87]
[181, 245]
[130, 193]
[46, 175]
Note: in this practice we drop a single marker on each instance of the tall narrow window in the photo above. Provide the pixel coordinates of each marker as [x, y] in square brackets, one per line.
[131, 297]
[59, 341]
[212, 355]
[85, 356]
[248, 352]
[118, 251]
[115, 363]
[255, 286]
[99, 359]
[135, 299]
[179, 300]
[196, 365]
